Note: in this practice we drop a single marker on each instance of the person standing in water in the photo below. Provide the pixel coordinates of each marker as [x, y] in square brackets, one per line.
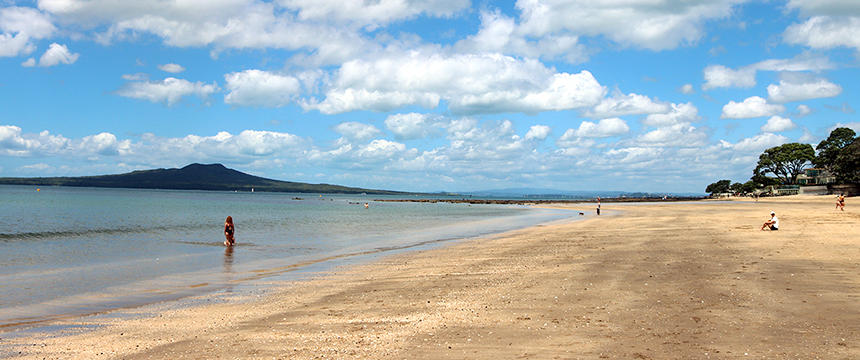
[229, 229]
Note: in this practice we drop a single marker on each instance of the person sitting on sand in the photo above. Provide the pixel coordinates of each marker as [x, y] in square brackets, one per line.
[229, 229]
[772, 224]
[840, 202]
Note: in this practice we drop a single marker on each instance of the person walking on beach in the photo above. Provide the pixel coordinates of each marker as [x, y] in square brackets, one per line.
[229, 229]
[772, 224]
[840, 202]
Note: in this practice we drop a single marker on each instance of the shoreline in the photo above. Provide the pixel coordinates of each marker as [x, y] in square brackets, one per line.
[659, 281]
[253, 278]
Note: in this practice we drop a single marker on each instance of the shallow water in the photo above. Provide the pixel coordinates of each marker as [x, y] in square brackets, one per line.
[70, 251]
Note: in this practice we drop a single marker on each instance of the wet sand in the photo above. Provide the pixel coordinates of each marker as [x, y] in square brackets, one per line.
[656, 281]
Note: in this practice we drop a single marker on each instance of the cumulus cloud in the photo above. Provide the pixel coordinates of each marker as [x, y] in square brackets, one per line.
[538, 132]
[825, 32]
[470, 83]
[227, 24]
[751, 107]
[104, 144]
[57, 54]
[719, 76]
[630, 104]
[356, 130]
[603, 128]
[649, 25]
[679, 113]
[412, 125]
[169, 90]
[777, 124]
[171, 68]
[260, 88]
[678, 134]
[501, 34]
[372, 13]
[19, 26]
[13, 142]
[798, 87]
[757, 144]
[802, 110]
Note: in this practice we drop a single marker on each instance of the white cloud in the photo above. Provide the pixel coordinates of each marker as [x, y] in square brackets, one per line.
[171, 68]
[260, 88]
[538, 132]
[603, 128]
[222, 24]
[630, 104]
[777, 124]
[19, 26]
[675, 135]
[356, 130]
[500, 34]
[169, 90]
[372, 13]
[802, 110]
[412, 125]
[13, 142]
[719, 76]
[470, 83]
[679, 113]
[751, 107]
[57, 54]
[644, 24]
[795, 87]
[29, 62]
[245, 147]
[104, 144]
[807, 137]
[758, 143]
[687, 89]
[380, 149]
[825, 32]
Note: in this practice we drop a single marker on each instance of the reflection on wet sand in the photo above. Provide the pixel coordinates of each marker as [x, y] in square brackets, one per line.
[228, 268]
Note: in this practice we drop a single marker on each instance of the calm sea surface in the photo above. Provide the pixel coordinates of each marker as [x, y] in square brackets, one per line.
[70, 251]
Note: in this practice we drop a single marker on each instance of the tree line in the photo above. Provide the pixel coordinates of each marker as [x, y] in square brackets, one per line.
[839, 155]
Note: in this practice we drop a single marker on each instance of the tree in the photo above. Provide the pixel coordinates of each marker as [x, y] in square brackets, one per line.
[737, 188]
[721, 186]
[847, 164]
[785, 161]
[748, 187]
[829, 149]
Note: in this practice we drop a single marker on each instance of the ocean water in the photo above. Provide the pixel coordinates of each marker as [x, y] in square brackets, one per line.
[72, 251]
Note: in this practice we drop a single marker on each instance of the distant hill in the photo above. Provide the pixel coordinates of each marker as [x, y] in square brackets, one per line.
[193, 177]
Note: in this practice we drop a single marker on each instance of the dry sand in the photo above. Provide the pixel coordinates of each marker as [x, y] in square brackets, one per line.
[657, 281]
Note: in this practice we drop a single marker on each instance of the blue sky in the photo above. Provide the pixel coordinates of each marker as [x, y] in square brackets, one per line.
[434, 95]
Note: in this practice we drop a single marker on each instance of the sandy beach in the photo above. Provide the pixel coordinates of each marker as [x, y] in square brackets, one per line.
[651, 281]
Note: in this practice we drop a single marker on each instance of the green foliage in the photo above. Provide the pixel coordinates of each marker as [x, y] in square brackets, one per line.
[737, 188]
[847, 163]
[785, 161]
[721, 186]
[829, 149]
[748, 187]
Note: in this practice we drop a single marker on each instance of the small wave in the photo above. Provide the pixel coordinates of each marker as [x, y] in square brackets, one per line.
[41, 235]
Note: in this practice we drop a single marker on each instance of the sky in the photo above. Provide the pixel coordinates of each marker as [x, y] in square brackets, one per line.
[431, 95]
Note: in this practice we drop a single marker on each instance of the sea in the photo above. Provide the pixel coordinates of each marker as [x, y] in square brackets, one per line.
[67, 251]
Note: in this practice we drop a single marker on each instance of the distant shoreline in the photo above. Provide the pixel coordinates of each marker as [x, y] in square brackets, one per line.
[540, 201]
